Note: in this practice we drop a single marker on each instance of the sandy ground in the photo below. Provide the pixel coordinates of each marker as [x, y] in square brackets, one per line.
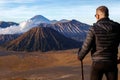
[53, 65]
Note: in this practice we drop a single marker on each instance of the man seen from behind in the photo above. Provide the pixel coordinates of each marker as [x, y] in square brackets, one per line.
[103, 39]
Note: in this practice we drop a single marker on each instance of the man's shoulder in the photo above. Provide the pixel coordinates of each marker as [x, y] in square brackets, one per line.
[92, 28]
[95, 25]
[114, 22]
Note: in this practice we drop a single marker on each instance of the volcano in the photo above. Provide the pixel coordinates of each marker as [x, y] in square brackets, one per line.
[42, 39]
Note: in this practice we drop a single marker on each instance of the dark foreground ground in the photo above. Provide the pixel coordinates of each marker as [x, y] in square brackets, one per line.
[54, 73]
[53, 65]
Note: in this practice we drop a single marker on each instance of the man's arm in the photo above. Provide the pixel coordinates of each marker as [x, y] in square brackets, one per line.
[87, 45]
[118, 61]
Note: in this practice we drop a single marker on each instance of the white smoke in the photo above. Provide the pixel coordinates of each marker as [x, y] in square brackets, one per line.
[26, 25]
[21, 28]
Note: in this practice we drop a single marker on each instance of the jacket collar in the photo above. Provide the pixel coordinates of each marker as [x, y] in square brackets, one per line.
[103, 19]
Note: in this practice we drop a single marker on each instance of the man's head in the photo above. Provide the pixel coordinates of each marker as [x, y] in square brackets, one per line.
[102, 12]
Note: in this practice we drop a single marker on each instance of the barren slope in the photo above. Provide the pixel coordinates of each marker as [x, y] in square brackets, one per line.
[53, 65]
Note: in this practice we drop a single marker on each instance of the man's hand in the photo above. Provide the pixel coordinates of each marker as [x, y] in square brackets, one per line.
[78, 57]
[118, 61]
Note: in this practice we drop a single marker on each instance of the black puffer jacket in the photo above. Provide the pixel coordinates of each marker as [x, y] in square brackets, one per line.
[103, 40]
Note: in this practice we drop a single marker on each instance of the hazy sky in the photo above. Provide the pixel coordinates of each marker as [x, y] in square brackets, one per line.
[82, 10]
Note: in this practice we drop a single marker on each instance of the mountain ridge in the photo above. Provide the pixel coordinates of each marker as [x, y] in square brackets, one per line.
[72, 29]
[8, 37]
[4, 24]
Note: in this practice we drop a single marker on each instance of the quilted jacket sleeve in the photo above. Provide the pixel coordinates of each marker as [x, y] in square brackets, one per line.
[87, 45]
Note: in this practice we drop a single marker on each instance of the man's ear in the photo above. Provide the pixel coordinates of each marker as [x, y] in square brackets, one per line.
[97, 17]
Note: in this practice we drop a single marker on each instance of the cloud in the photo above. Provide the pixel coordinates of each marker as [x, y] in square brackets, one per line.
[18, 14]
[21, 10]
[21, 28]
[52, 9]
[16, 1]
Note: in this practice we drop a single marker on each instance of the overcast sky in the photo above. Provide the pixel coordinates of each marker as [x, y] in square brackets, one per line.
[82, 10]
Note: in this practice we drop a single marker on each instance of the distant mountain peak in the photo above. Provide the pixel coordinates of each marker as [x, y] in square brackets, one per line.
[74, 21]
[40, 19]
[37, 16]
[64, 20]
[33, 22]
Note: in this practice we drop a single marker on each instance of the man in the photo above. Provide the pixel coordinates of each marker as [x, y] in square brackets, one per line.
[103, 39]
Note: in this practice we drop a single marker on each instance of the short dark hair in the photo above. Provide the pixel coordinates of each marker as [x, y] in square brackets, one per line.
[104, 10]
